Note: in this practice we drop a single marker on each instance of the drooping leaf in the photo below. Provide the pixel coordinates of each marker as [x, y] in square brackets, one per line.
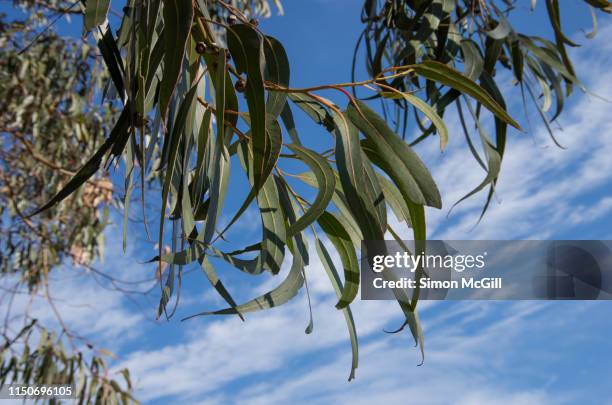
[246, 48]
[282, 293]
[178, 16]
[373, 192]
[272, 153]
[395, 199]
[401, 162]
[289, 123]
[473, 62]
[426, 109]
[518, 60]
[277, 71]
[545, 55]
[326, 183]
[220, 161]
[214, 280]
[339, 200]
[119, 132]
[416, 211]
[176, 137]
[112, 57]
[342, 242]
[501, 30]
[448, 76]
[313, 109]
[95, 13]
[493, 160]
[334, 278]
[272, 245]
[352, 177]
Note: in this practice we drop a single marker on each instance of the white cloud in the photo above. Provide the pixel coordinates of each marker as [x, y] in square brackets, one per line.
[269, 359]
[86, 302]
[586, 214]
[472, 348]
[540, 184]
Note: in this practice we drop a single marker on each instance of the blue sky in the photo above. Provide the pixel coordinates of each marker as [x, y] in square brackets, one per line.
[494, 352]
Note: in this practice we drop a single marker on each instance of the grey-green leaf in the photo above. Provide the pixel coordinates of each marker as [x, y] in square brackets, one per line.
[402, 163]
[178, 16]
[326, 182]
[448, 76]
[342, 242]
[95, 13]
[334, 278]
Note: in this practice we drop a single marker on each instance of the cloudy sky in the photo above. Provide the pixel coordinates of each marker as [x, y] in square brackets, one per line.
[476, 352]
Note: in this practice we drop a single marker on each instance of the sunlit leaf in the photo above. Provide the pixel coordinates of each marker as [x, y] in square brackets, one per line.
[326, 183]
[450, 77]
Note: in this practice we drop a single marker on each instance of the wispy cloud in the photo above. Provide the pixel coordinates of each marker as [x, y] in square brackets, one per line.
[540, 184]
[471, 347]
[477, 352]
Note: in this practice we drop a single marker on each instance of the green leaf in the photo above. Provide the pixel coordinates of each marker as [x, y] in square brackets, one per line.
[326, 183]
[408, 307]
[95, 13]
[112, 57]
[118, 134]
[277, 71]
[395, 199]
[352, 177]
[334, 278]
[342, 242]
[494, 159]
[426, 109]
[200, 182]
[400, 161]
[245, 45]
[472, 59]
[501, 30]
[373, 192]
[448, 76]
[339, 201]
[181, 258]
[129, 188]
[603, 5]
[289, 123]
[217, 284]
[178, 16]
[545, 55]
[272, 245]
[314, 110]
[193, 253]
[518, 60]
[187, 212]
[220, 160]
[552, 7]
[174, 143]
[286, 290]
[274, 144]
[416, 211]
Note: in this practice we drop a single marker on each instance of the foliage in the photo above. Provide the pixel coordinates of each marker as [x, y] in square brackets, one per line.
[49, 363]
[48, 126]
[477, 37]
[46, 93]
[205, 96]
[51, 120]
